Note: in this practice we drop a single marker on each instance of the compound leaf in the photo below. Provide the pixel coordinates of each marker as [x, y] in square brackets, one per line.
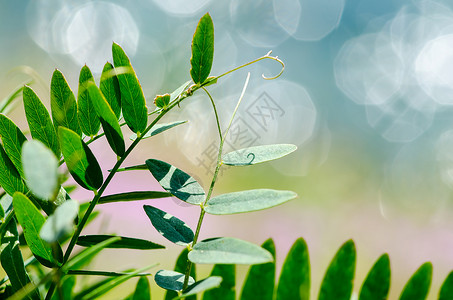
[202, 50]
[377, 283]
[123, 242]
[257, 154]
[110, 88]
[12, 138]
[417, 287]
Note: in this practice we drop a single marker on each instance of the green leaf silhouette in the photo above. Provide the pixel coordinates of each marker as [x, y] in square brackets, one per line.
[377, 283]
[226, 289]
[123, 242]
[110, 88]
[13, 139]
[10, 179]
[88, 119]
[202, 50]
[133, 196]
[417, 287]
[142, 290]
[446, 290]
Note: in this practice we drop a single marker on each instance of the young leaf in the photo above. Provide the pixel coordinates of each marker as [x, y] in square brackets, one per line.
[60, 222]
[202, 285]
[294, 282]
[228, 251]
[417, 287]
[12, 138]
[180, 266]
[133, 196]
[377, 283]
[176, 182]
[31, 221]
[202, 50]
[158, 128]
[162, 101]
[39, 122]
[142, 291]
[339, 277]
[446, 290]
[172, 228]
[257, 154]
[260, 280]
[63, 103]
[12, 261]
[10, 179]
[110, 88]
[40, 169]
[123, 242]
[79, 159]
[246, 201]
[226, 290]
[88, 119]
[171, 280]
[108, 119]
[132, 100]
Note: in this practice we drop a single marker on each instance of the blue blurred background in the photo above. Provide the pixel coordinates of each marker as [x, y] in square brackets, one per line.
[367, 96]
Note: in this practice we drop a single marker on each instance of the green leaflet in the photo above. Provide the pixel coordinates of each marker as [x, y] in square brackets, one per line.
[10, 179]
[133, 196]
[257, 154]
[63, 103]
[12, 138]
[225, 250]
[158, 128]
[39, 122]
[31, 221]
[171, 280]
[67, 286]
[176, 93]
[6, 104]
[171, 228]
[142, 291]
[417, 287]
[123, 242]
[132, 99]
[61, 222]
[180, 266]
[110, 88]
[12, 261]
[446, 291]
[202, 50]
[79, 159]
[377, 283]
[294, 282]
[226, 288]
[161, 101]
[176, 181]
[108, 119]
[339, 277]
[260, 280]
[201, 286]
[41, 169]
[246, 201]
[88, 119]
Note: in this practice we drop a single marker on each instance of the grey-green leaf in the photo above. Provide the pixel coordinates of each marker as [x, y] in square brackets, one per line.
[260, 280]
[446, 290]
[79, 159]
[417, 287]
[133, 196]
[61, 222]
[108, 120]
[63, 103]
[226, 250]
[39, 122]
[176, 93]
[132, 99]
[40, 169]
[12, 138]
[246, 201]
[158, 128]
[171, 280]
[257, 154]
[142, 290]
[123, 242]
[226, 290]
[10, 179]
[377, 283]
[31, 221]
[202, 50]
[110, 88]
[88, 119]
[294, 282]
[202, 285]
[177, 182]
[180, 266]
[171, 228]
[339, 277]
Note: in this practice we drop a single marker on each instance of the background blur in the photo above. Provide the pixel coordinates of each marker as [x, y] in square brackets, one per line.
[367, 95]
